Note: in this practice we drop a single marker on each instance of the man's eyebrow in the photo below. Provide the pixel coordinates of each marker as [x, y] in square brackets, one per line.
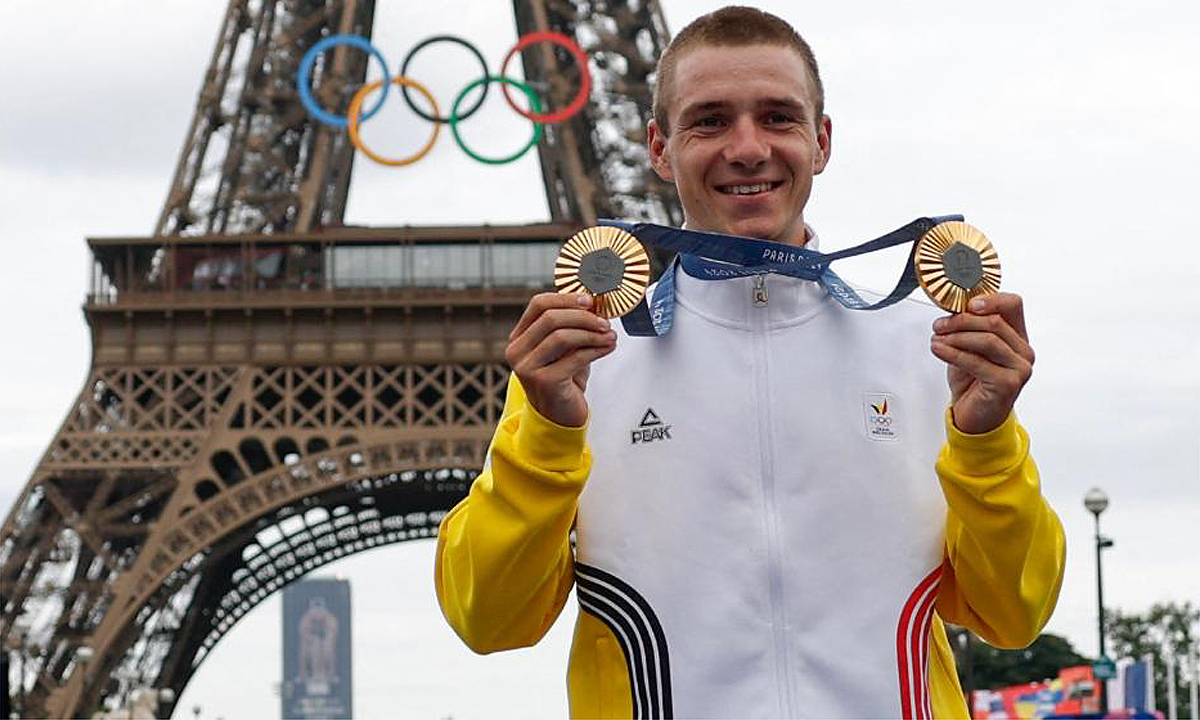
[785, 102]
[704, 107]
[789, 103]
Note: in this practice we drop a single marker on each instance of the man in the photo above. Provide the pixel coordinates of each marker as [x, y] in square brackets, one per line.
[777, 503]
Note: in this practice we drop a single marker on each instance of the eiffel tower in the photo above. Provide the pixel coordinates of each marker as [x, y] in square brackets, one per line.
[258, 404]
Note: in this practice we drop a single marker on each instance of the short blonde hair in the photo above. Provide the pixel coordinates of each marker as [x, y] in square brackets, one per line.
[730, 26]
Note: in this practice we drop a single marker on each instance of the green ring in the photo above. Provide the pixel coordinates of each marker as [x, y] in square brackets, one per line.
[533, 101]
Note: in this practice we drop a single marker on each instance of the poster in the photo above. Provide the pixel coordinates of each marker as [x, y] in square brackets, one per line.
[317, 680]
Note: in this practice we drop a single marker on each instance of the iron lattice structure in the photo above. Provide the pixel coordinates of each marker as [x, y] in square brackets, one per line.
[270, 390]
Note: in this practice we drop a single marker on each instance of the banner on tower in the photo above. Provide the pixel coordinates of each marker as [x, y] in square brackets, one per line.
[316, 650]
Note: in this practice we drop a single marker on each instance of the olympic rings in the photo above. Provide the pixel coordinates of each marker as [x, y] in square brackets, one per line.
[356, 107]
[428, 41]
[585, 76]
[533, 101]
[310, 57]
[356, 116]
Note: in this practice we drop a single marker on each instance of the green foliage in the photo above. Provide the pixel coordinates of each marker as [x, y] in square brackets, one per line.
[988, 668]
[1163, 625]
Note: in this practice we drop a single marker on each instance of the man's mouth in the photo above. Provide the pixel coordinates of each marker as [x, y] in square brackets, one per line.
[752, 189]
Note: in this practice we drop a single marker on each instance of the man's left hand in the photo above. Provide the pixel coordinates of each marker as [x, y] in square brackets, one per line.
[989, 358]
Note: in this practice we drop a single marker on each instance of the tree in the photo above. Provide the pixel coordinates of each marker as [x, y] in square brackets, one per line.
[1164, 625]
[987, 668]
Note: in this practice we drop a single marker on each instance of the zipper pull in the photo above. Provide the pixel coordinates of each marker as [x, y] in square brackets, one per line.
[760, 290]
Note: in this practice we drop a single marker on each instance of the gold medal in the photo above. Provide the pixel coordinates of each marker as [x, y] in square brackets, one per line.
[954, 263]
[607, 262]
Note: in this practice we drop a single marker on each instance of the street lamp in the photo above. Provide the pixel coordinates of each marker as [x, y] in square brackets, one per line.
[1096, 502]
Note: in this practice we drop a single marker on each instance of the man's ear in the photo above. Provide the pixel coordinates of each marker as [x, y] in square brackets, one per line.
[656, 142]
[824, 144]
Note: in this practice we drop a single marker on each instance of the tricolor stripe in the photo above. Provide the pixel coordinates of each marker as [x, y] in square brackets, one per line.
[912, 648]
[635, 626]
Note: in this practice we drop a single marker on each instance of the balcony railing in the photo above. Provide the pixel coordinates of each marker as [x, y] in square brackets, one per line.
[347, 262]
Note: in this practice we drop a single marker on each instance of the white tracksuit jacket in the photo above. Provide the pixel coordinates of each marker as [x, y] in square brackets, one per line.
[764, 482]
[760, 528]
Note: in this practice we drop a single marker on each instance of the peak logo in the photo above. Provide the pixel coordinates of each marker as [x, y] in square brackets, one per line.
[880, 417]
[650, 429]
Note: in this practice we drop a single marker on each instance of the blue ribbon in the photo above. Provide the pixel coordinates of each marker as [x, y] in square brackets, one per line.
[713, 256]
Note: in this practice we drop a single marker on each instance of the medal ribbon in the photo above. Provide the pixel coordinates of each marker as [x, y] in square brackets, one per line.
[713, 256]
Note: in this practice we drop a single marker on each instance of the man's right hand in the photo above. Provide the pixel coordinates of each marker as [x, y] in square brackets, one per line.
[551, 349]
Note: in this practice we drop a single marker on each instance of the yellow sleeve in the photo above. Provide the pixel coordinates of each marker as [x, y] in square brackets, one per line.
[504, 565]
[1005, 548]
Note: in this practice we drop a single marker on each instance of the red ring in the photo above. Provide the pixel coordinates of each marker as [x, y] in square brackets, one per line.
[585, 86]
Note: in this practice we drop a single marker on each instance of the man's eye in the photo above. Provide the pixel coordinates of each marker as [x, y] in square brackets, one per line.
[778, 118]
[710, 121]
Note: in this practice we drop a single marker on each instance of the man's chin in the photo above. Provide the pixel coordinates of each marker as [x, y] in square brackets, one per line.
[759, 230]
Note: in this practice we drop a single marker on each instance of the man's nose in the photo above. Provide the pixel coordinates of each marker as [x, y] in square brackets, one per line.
[747, 145]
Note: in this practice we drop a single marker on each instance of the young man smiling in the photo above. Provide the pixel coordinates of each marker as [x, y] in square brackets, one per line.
[743, 140]
[805, 497]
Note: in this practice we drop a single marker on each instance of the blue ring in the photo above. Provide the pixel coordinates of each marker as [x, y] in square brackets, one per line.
[310, 58]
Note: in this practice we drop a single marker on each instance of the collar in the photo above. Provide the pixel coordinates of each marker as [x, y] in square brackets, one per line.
[731, 301]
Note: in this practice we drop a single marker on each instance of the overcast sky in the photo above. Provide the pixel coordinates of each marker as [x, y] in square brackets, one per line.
[1066, 131]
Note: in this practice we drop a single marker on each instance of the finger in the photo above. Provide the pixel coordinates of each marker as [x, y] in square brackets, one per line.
[1009, 305]
[542, 302]
[551, 321]
[987, 345]
[561, 343]
[577, 361]
[980, 367]
[995, 324]
[567, 369]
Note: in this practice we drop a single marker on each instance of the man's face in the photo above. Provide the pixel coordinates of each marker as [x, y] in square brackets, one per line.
[743, 143]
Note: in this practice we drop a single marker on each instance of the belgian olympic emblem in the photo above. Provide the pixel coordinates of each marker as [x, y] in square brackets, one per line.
[355, 115]
[955, 262]
[607, 262]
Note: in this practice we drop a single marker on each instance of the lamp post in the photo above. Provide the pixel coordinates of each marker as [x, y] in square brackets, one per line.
[1096, 502]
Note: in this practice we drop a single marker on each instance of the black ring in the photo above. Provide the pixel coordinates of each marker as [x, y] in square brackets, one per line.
[404, 71]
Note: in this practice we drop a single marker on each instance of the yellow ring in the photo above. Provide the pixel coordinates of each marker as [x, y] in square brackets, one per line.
[355, 111]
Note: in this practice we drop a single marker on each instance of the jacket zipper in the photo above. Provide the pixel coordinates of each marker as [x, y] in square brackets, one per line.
[760, 291]
[770, 506]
